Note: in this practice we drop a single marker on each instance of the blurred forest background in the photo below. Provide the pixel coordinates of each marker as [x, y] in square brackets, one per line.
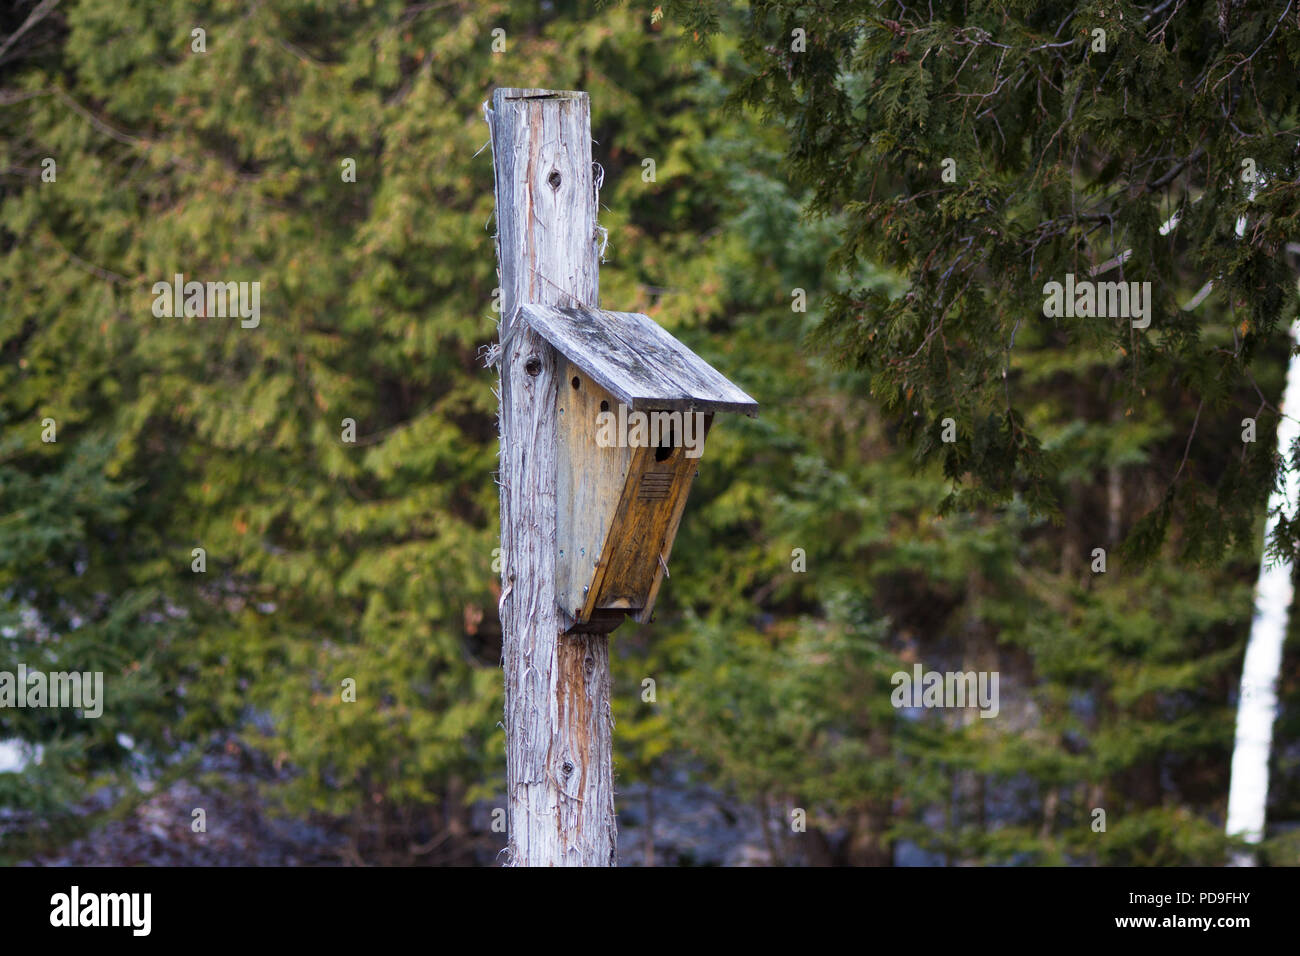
[374, 560]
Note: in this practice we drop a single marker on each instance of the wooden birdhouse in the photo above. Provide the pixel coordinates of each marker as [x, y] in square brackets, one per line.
[633, 407]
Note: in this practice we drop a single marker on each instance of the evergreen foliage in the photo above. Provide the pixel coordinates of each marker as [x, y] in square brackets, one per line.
[328, 560]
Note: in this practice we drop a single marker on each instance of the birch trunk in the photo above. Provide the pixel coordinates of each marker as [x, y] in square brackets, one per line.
[559, 728]
[1257, 703]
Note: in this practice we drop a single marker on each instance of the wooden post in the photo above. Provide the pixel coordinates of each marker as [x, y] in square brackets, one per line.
[559, 728]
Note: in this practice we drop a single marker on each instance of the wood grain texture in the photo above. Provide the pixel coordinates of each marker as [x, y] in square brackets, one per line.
[670, 534]
[589, 485]
[645, 525]
[559, 728]
[632, 356]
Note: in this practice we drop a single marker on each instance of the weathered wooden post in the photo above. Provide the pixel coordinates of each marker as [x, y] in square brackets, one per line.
[586, 528]
[559, 758]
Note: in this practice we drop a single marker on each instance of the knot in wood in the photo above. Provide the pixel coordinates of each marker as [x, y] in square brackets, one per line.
[554, 179]
[533, 366]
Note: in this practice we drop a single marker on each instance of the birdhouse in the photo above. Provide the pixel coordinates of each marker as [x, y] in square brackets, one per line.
[633, 407]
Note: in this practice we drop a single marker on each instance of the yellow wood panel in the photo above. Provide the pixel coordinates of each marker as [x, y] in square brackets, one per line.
[648, 515]
[589, 483]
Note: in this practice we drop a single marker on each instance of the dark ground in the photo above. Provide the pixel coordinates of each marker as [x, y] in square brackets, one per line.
[693, 826]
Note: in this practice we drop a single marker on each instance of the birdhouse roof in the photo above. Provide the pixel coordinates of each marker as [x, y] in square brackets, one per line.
[633, 358]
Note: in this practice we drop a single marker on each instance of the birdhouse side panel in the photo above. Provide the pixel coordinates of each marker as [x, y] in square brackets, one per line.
[589, 484]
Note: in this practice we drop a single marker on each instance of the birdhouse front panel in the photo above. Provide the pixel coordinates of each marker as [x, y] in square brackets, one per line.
[635, 560]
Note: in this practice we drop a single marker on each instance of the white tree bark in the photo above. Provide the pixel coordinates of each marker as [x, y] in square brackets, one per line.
[1257, 704]
[559, 727]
